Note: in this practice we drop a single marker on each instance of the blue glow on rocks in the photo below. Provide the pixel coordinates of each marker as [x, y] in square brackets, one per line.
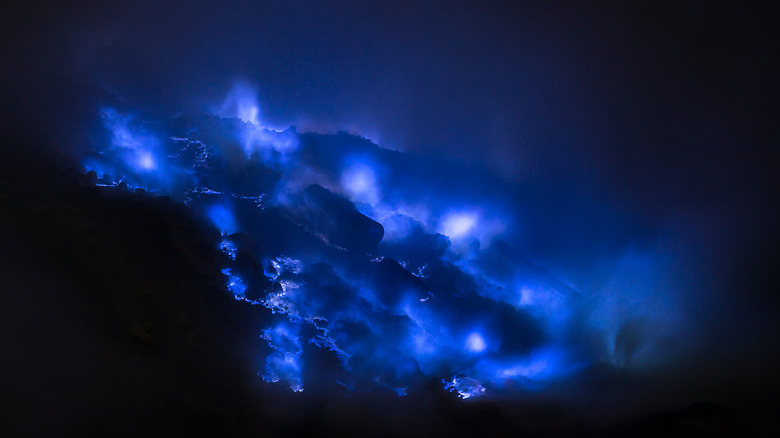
[465, 387]
[375, 261]
[229, 248]
[235, 285]
[283, 364]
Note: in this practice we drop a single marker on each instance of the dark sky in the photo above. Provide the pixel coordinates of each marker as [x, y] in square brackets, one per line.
[661, 114]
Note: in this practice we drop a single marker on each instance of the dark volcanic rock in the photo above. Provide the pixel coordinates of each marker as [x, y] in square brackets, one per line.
[339, 220]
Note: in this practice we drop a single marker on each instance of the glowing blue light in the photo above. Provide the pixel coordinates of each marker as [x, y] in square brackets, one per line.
[531, 369]
[475, 343]
[284, 365]
[284, 362]
[272, 146]
[284, 264]
[466, 387]
[137, 157]
[360, 183]
[534, 370]
[526, 297]
[241, 103]
[400, 392]
[146, 161]
[450, 309]
[458, 225]
[235, 285]
[229, 248]
[256, 137]
[222, 217]
[135, 145]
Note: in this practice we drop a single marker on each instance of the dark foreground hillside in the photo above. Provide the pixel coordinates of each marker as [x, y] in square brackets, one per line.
[115, 321]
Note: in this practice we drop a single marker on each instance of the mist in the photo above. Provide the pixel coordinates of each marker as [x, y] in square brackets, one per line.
[562, 203]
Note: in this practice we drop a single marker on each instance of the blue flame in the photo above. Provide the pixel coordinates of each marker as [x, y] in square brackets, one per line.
[222, 217]
[465, 387]
[241, 103]
[229, 248]
[401, 285]
[283, 364]
[458, 225]
[475, 343]
[254, 134]
[360, 183]
[235, 285]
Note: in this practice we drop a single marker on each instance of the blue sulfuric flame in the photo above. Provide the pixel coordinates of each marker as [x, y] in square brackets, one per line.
[284, 362]
[458, 225]
[255, 136]
[360, 184]
[229, 248]
[235, 285]
[475, 343]
[356, 255]
[465, 387]
[222, 217]
[241, 103]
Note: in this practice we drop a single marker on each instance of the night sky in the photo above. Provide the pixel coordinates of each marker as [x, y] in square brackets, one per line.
[627, 150]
